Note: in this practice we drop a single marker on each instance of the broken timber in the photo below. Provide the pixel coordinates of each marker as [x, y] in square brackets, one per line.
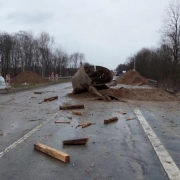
[87, 124]
[77, 113]
[51, 98]
[37, 92]
[66, 122]
[52, 152]
[106, 121]
[67, 107]
[76, 141]
[128, 119]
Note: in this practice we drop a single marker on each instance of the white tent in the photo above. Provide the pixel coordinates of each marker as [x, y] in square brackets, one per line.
[2, 83]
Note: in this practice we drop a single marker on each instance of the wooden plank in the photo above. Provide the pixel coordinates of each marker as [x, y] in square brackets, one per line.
[66, 122]
[80, 125]
[76, 141]
[51, 98]
[52, 152]
[37, 92]
[128, 119]
[68, 107]
[77, 113]
[106, 121]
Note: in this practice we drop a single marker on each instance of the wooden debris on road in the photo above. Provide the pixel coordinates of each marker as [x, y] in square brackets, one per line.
[123, 112]
[87, 124]
[128, 119]
[80, 125]
[68, 107]
[77, 113]
[66, 122]
[52, 152]
[33, 97]
[84, 125]
[76, 141]
[37, 92]
[106, 121]
[51, 98]
[35, 119]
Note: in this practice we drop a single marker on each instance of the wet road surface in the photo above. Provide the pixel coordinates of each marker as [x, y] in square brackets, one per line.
[119, 150]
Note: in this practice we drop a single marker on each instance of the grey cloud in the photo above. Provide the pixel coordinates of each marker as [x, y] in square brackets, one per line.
[30, 17]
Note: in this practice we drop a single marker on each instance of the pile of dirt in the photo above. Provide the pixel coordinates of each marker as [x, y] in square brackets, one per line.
[28, 77]
[153, 94]
[132, 78]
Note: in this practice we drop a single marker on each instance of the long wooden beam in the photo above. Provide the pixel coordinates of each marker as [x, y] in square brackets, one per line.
[52, 152]
[106, 121]
[67, 107]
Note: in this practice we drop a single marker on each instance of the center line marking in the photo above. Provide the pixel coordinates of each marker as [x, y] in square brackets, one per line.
[167, 162]
[26, 136]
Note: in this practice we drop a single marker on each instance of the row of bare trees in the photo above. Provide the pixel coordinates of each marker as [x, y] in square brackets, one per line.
[23, 51]
[162, 63]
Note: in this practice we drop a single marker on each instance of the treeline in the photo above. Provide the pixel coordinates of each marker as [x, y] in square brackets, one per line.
[24, 51]
[161, 63]
[157, 64]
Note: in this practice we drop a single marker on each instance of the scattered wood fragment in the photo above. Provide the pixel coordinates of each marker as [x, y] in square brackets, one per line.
[80, 125]
[128, 119]
[66, 122]
[37, 92]
[77, 113]
[51, 98]
[123, 112]
[35, 119]
[87, 124]
[76, 141]
[1, 134]
[106, 121]
[33, 97]
[68, 107]
[52, 152]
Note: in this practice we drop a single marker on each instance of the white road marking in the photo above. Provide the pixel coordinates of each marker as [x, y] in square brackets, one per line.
[27, 135]
[167, 162]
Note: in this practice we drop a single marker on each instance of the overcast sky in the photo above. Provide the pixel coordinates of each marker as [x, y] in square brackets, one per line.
[106, 31]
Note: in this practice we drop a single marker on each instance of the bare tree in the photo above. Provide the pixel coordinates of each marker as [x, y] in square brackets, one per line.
[171, 35]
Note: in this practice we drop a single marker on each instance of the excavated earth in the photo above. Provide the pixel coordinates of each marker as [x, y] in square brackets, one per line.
[28, 77]
[132, 86]
[132, 78]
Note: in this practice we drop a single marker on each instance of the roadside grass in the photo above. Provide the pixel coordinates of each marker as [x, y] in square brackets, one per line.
[23, 86]
[63, 80]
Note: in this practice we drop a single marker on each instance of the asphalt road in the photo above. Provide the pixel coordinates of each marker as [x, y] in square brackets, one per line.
[119, 150]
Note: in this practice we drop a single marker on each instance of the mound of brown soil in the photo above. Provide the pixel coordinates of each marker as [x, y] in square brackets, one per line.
[154, 94]
[132, 78]
[28, 77]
